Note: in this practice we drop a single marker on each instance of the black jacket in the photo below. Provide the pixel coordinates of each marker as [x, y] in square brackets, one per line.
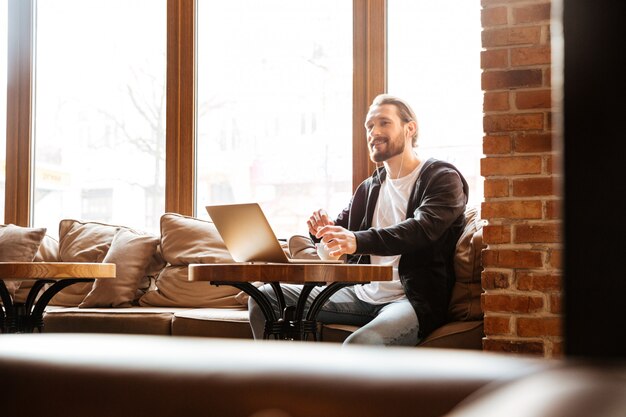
[426, 239]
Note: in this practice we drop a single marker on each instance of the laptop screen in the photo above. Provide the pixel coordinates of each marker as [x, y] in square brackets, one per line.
[246, 233]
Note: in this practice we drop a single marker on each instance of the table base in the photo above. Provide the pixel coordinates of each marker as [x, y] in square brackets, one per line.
[292, 323]
[28, 316]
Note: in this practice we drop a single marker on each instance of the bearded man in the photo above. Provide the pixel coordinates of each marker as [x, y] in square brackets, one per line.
[408, 214]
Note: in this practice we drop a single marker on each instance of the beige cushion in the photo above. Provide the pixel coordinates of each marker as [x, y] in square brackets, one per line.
[134, 320]
[455, 335]
[19, 244]
[131, 253]
[212, 322]
[90, 242]
[48, 252]
[465, 301]
[302, 247]
[186, 240]
[81, 242]
[85, 241]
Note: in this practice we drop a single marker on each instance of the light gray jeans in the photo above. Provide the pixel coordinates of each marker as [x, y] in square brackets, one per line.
[381, 324]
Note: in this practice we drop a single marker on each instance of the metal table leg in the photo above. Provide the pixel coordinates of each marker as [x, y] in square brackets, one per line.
[28, 316]
[292, 323]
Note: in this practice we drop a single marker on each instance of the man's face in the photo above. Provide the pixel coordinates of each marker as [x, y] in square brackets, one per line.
[386, 136]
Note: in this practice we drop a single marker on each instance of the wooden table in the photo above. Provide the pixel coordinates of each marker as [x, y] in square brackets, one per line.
[25, 317]
[290, 322]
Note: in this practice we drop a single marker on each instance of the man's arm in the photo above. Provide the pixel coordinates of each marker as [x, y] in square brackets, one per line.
[320, 218]
[335, 235]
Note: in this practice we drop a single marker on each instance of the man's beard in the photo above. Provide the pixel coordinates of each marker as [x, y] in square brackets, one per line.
[393, 148]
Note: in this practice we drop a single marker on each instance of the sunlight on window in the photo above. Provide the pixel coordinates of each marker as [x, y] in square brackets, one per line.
[100, 112]
[4, 11]
[275, 107]
[434, 63]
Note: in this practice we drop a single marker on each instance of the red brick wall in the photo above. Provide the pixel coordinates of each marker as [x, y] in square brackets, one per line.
[522, 276]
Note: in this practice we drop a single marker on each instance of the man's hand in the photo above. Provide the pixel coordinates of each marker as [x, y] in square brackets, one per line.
[337, 239]
[318, 220]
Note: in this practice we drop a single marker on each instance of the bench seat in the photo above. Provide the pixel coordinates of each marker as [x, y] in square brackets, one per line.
[166, 321]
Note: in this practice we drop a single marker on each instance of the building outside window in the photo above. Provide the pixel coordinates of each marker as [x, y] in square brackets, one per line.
[99, 112]
[275, 107]
[97, 204]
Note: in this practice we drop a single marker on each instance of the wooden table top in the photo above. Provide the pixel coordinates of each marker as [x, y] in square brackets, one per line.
[55, 270]
[289, 273]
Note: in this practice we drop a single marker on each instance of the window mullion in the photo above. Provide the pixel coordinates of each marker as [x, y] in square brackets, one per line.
[370, 75]
[19, 112]
[180, 124]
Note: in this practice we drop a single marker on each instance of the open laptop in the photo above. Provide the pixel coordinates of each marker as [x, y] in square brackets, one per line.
[248, 235]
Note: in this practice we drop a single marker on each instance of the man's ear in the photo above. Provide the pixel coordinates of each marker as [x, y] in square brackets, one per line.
[411, 127]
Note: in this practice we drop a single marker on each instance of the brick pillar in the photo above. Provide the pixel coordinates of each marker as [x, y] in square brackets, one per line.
[522, 276]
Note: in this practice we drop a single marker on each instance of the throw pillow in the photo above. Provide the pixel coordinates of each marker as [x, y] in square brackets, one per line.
[131, 253]
[84, 241]
[302, 247]
[81, 242]
[19, 244]
[48, 252]
[465, 300]
[186, 240]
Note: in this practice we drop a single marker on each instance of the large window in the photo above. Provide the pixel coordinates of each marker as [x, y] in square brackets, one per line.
[265, 102]
[99, 112]
[274, 96]
[434, 63]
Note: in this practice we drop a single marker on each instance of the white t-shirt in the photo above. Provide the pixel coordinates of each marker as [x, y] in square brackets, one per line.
[390, 209]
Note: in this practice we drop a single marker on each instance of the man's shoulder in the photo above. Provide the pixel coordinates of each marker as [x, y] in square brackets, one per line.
[438, 163]
[434, 166]
[444, 173]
